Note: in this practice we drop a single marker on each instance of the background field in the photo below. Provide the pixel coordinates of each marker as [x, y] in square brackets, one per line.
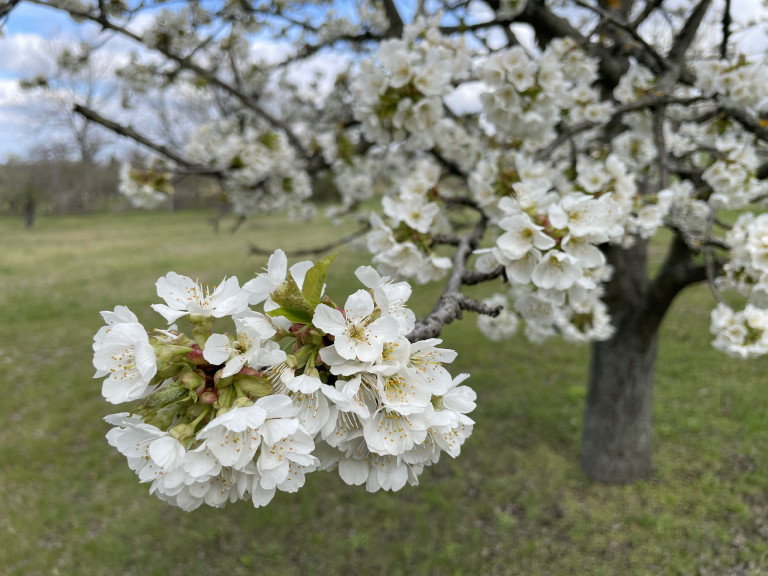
[514, 502]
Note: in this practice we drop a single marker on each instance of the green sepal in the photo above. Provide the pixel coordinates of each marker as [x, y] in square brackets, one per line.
[162, 419]
[255, 387]
[173, 393]
[163, 375]
[312, 289]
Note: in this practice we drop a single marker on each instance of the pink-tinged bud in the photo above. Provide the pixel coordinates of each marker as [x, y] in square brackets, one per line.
[200, 389]
[208, 397]
[192, 380]
[195, 357]
[248, 371]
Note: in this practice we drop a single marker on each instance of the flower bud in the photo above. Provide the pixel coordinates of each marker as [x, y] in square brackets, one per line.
[254, 386]
[192, 380]
[182, 431]
[312, 372]
[225, 398]
[241, 402]
[195, 357]
[199, 319]
[208, 396]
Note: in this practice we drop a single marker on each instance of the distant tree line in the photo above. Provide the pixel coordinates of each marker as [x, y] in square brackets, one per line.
[53, 184]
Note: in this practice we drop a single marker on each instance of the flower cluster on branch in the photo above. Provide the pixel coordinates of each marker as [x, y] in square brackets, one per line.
[239, 411]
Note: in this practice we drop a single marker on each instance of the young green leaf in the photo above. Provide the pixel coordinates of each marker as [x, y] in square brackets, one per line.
[315, 280]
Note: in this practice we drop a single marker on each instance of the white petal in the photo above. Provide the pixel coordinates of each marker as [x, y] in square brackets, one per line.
[233, 366]
[217, 349]
[167, 452]
[368, 276]
[358, 306]
[277, 406]
[329, 320]
[353, 472]
[277, 267]
[304, 384]
[276, 429]
[170, 314]
[299, 271]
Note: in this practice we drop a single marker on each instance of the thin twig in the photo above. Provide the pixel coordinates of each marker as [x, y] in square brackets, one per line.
[318, 249]
[129, 132]
[448, 308]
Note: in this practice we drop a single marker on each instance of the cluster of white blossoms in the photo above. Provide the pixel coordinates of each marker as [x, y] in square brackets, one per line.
[304, 385]
[403, 245]
[171, 30]
[398, 96]
[526, 99]
[145, 188]
[744, 333]
[732, 175]
[262, 170]
[741, 334]
[747, 270]
[739, 83]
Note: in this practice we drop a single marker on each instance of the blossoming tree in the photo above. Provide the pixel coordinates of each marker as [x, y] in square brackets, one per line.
[535, 145]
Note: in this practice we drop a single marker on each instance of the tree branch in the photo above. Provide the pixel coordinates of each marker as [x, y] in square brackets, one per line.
[678, 271]
[451, 303]
[318, 249]
[6, 6]
[687, 34]
[186, 62]
[630, 29]
[395, 21]
[726, 25]
[129, 132]
[471, 277]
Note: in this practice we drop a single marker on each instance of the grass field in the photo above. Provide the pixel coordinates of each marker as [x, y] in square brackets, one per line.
[514, 502]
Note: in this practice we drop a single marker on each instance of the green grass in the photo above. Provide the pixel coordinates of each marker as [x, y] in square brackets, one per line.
[514, 502]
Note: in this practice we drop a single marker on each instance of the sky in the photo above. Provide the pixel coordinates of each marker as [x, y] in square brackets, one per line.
[25, 49]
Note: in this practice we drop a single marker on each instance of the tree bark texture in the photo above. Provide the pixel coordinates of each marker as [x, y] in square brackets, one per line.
[616, 440]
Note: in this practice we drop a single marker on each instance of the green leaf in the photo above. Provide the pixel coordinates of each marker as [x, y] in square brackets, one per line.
[289, 296]
[298, 316]
[315, 279]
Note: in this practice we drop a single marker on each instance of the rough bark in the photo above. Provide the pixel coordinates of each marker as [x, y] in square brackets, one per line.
[616, 445]
[616, 441]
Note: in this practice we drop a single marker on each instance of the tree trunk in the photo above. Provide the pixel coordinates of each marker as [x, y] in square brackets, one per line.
[30, 209]
[616, 440]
